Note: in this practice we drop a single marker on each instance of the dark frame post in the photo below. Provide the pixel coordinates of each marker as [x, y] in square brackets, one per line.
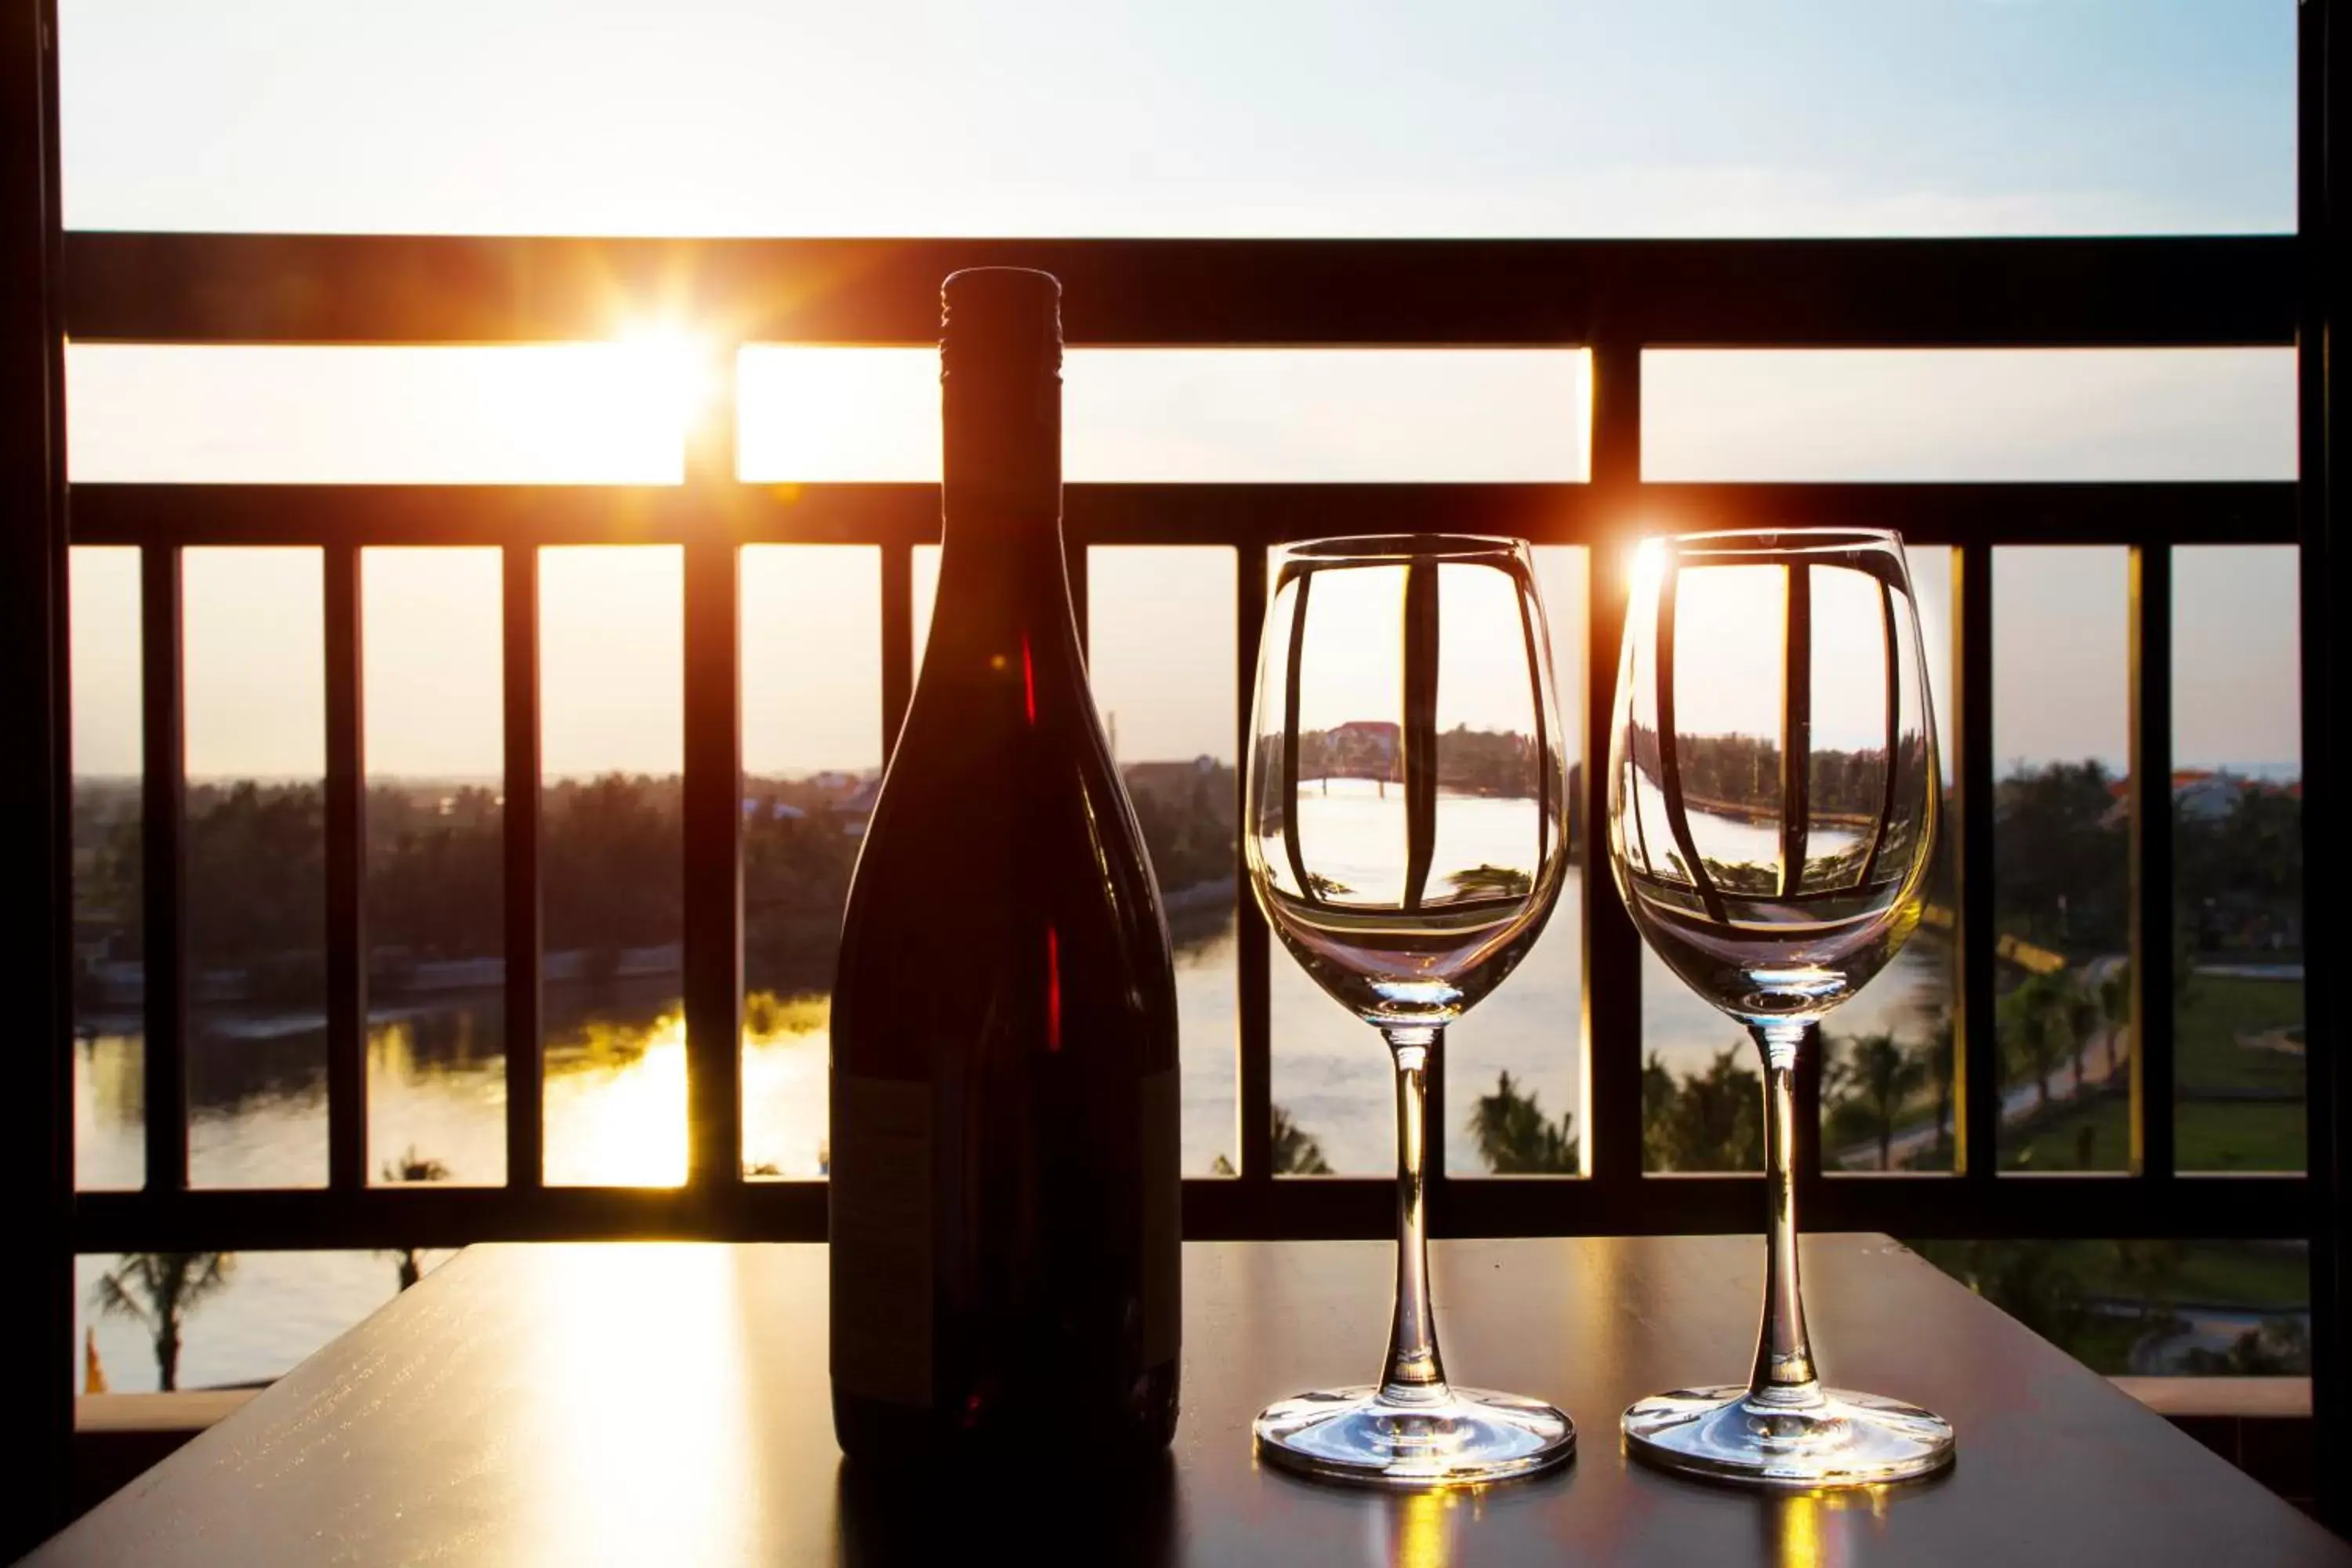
[2321, 46]
[36, 826]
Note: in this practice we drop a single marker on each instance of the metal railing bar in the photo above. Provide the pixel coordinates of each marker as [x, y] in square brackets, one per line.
[1253, 973]
[1244, 515]
[2324, 37]
[518, 827]
[163, 925]
[1667, 736]
[1612, 1038]
[1796, 728]
[360, 288]
[1222, 1208]
[1977, 1109]
[712, 871]
[2152, 1105]
[346, 866]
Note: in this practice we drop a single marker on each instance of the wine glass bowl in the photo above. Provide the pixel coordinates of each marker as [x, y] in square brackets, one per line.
[1404, 832]
[1773, 793]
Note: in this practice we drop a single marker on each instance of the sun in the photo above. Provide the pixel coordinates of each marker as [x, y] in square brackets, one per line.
[672, 372]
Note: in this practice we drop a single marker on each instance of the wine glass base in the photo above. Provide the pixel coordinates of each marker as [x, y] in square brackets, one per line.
[1353, 1435]
[1846, 1440]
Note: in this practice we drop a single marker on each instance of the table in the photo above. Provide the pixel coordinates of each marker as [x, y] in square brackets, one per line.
[668, 1404]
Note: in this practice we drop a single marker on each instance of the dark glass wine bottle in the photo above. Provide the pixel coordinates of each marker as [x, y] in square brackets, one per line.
[1004, 1214]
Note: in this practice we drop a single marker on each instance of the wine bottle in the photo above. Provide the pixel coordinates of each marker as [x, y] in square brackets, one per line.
[1005, 1215]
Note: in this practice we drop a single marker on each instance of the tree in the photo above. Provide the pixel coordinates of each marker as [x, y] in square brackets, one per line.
[412, 1167]
[1713, 1120]
[1295, 1152]
[2036, 1283]
[2032, 1018]
[2061, 872]
[1881, 1077]
[158, 1290]
[1515, 1139]
[1939, 1060]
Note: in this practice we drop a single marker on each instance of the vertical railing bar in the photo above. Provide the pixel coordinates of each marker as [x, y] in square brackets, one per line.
[163, 935]
[711, 879]
[346, 857]
[1417, 773]
[2322, 40]
[1978, 1111]
[1612, 1039]
[898, 638]
[713, 869]
[1668, 737]
[1888, 785]
[1796, 729]
[1253, 975]
[2151, 862]
[518, 827]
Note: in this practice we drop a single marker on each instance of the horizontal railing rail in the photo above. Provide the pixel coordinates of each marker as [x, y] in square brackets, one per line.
[1778, 294]
[1616, 297]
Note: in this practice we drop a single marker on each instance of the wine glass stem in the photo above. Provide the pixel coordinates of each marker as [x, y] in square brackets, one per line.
[1415, 1375]
[1784, 1373]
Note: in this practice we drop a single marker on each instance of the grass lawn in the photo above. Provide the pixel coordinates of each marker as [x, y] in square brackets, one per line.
[2251, 1276]
[2212, 1134]
[2213, 1273]
[2209, 1135]
[2214, 1010]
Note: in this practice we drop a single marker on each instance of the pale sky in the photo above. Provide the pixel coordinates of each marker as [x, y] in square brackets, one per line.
[1937, 117]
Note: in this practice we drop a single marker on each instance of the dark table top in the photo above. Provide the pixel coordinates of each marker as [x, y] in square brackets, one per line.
[667, 1405]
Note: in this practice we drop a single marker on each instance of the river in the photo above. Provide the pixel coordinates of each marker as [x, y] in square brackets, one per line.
[616, 1102]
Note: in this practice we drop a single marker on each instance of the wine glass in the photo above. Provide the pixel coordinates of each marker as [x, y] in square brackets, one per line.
[1405, 831]
[1773, 789]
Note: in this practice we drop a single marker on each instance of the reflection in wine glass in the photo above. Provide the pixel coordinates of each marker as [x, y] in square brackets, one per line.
[1773, 790]
[1404, 831]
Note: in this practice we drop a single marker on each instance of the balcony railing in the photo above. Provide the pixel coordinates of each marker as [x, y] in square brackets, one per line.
[1615, 299]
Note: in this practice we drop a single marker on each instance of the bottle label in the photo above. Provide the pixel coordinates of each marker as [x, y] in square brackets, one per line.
[1163, 1218]
[881, 1224]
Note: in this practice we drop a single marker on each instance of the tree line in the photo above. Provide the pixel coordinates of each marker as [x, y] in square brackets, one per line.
[610, 880]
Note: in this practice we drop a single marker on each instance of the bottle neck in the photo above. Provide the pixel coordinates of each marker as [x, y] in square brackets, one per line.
[1002, 583]
[1002, 575]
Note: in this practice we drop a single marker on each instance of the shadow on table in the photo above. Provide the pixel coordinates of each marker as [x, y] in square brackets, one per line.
[1047, 1514]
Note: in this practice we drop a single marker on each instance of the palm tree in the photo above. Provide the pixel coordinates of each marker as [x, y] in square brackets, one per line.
[159, 1290]
[1515, 1138]
[1883, 1076]
[1939, 1060]
[412, 1167]
[1295, 1152]
[2030, 1024]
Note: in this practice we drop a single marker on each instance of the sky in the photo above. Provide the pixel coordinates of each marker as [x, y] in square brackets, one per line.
[1935, 116]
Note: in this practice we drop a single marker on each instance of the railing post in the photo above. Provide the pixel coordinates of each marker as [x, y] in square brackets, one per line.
[1976, 1152]
[519, 826]
[713, 801]
[2323, 42]
[162, 870]
[2152, 914]
[1253, 975]
[1612, 1040]
[36, 1135]
[346, 830]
